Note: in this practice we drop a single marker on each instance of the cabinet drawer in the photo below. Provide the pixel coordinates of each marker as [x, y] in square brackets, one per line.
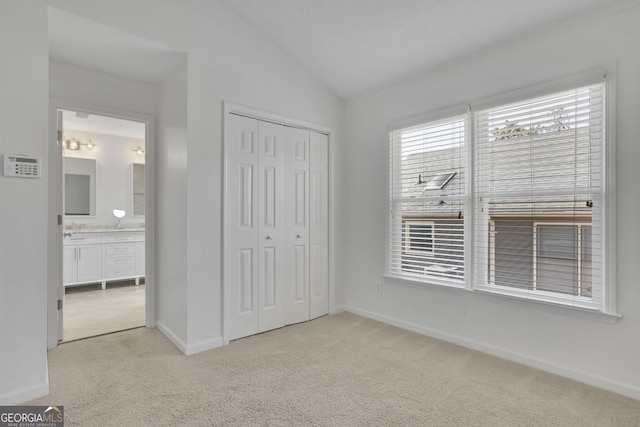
[120, 261]
[120, 273]
[120, 237]
[82, 238]
[120, 248]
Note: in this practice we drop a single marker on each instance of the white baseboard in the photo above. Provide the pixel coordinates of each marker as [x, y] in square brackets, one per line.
[17, 397]
[182, 346]
[338, 309]
[188, 349]
[204, 346]
[625, 389]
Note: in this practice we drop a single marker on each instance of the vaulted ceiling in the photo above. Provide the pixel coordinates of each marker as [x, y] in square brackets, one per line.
[358, 46]
[353, 46]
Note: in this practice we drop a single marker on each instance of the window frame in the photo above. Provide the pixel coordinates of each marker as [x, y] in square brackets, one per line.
[456, 277]
[607, 195]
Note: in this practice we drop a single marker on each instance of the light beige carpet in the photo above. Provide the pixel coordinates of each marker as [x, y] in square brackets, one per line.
[341, 370]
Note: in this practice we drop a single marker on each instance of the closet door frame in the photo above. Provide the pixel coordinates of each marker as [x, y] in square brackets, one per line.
[237, 109]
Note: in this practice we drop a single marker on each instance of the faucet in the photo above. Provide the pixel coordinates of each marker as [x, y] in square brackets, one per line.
[119, 214]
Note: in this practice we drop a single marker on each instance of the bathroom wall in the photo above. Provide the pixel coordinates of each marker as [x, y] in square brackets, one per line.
[114, 156]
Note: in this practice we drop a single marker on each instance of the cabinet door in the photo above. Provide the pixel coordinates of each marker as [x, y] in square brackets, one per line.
[89, 263]
[69, 264]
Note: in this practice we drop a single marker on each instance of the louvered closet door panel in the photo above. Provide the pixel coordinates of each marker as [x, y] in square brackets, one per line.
[319, 225]
[271, 141]
[297, 226]
[242, 226]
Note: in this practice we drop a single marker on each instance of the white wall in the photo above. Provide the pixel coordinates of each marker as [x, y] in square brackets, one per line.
[114, 156]
[171, 206]
[230, 61]
[227, 61]
[74, 87]
[23, 213]
[588, 350]
[73, 83]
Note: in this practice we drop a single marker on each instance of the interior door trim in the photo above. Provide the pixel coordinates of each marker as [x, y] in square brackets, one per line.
[54, 237]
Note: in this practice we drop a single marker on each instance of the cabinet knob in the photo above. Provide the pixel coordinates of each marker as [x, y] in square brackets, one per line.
[269, 237]
[298, 236]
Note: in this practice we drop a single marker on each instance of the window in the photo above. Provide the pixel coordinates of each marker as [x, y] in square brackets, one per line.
[418, 237]
[428, 194]
[535, 200]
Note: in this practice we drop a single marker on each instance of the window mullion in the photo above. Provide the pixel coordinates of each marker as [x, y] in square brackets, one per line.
[470, 214]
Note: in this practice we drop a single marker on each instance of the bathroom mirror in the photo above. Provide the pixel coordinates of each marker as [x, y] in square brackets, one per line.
[137, 190]
[79, 186]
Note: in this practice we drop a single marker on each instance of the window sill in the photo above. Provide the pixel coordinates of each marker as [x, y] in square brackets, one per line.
[493, 296]
[427, 281]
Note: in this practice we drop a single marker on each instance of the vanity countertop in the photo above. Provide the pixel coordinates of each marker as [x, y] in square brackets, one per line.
[104, 230]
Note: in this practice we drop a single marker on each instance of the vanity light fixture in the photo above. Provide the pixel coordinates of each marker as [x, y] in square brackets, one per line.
[74, 144]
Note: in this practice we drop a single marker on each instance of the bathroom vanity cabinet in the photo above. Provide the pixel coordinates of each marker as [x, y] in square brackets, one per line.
[103, 256]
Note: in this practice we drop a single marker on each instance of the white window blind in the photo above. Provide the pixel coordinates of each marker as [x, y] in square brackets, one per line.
[538, 198]
[427, 202]
[528, 221]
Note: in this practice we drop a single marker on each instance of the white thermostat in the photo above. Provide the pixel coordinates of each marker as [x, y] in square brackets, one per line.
[21, 166]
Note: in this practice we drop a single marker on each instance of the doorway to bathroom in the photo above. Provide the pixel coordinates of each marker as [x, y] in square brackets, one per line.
[103, 181]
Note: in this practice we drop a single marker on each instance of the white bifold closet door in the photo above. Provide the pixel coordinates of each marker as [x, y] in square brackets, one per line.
[297, 234]
[319, 225]
[277, 234]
